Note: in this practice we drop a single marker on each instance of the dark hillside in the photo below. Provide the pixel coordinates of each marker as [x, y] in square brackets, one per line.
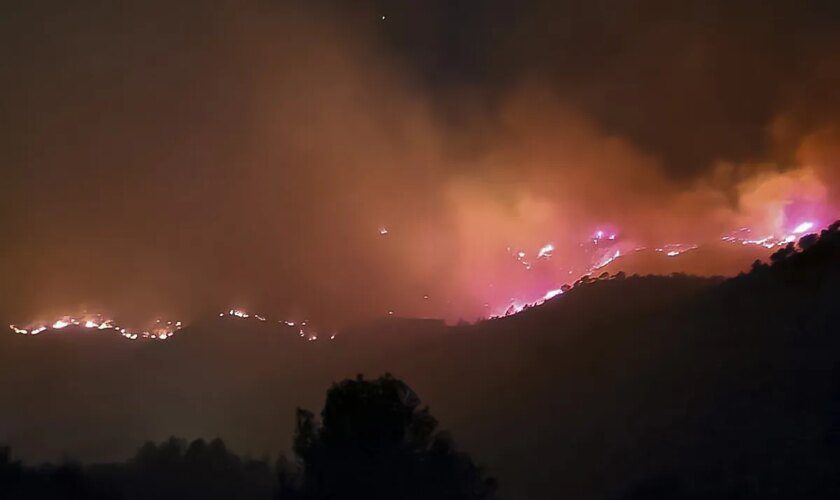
[624, 387]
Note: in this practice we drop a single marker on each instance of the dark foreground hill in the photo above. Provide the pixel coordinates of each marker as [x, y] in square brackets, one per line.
[636, 387]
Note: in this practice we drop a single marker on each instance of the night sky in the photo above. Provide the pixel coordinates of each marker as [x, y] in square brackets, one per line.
[339, 160]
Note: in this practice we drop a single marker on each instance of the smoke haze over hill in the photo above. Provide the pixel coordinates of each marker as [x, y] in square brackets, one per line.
[619, 382]
[175, 160]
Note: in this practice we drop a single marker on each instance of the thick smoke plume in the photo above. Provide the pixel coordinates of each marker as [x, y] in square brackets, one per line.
[305, 160]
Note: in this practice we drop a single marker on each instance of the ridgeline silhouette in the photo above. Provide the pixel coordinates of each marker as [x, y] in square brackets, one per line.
[626, 387]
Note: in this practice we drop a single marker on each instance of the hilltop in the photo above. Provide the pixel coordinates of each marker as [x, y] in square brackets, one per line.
[623, 386]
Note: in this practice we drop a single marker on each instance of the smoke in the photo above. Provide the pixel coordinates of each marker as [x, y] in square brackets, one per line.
[182, 160]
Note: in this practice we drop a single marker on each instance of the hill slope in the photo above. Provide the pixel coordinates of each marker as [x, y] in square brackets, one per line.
[674, 386]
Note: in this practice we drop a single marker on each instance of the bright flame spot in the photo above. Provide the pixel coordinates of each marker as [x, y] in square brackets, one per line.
[804, 227]
[58, 325]
[546, 251]
[607, 260]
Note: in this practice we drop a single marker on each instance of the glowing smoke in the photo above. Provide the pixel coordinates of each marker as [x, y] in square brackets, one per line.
[269, 187]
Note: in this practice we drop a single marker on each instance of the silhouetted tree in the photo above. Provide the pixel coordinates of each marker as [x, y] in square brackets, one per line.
[808, 241]
[783, 253]
[376, 442]
[10, 472]
[47, 482]
[201, 470]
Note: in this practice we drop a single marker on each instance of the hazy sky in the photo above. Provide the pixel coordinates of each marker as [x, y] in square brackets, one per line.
[180, 157]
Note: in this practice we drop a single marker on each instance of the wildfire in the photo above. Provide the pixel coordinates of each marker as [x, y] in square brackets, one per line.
[744, 236]
[605, 248]
[22, 331]
[606, 261]
[546, 251]
[160, 330]
[597, 250]
[307, 333]
[676, 249]
[519, 255]
[238, 313]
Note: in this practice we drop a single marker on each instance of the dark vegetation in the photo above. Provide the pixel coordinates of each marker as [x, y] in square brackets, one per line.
[626, 387]
[375, 442]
